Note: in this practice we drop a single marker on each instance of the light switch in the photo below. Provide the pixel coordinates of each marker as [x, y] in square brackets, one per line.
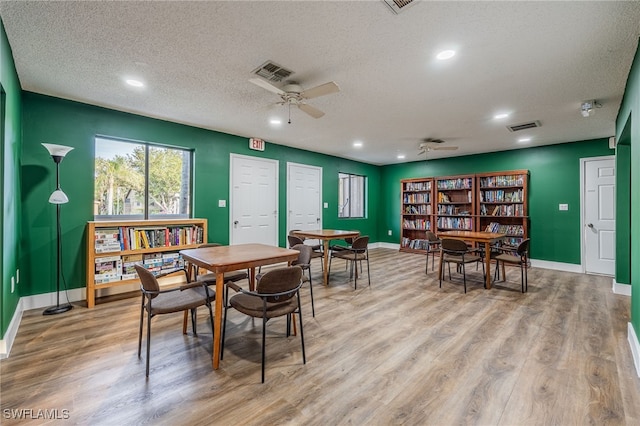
[326, 205]
[563, 207]
[222, 203]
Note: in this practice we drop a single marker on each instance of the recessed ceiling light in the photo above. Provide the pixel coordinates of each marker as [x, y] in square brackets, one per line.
[524, 140]
[501, 116]
[357, 144]
[134, 83]
[446, 54]
[275, 121]
[400, 157]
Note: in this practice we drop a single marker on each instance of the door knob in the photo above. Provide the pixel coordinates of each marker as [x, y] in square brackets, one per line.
[590, 225]
[235, 222]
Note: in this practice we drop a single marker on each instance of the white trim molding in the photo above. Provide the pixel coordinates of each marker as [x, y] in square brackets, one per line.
[632, 337]
[622, 289]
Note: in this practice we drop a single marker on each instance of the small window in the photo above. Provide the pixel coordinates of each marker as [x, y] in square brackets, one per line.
[136, 180]
[351, 195]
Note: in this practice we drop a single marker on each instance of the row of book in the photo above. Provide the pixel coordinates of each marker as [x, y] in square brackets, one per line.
[421, 224]
[417, 186]
[505, 229]
[452, 210]
[501, 195]
[416, 244]
[445, 198]
[455, 183]
[418, 209]
[417, 198]
[464, 223]
[132, 238]
[508, 180]
[115, 268]
[503, 210]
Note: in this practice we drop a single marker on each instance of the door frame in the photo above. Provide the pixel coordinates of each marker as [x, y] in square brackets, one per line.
[233, 156]
[320, 205]
[583, 236]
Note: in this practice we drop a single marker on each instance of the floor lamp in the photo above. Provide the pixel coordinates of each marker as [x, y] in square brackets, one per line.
[58, 197]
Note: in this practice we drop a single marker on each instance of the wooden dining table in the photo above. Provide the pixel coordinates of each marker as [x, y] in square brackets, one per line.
[223, 259]
[327, 235]
[486, 238]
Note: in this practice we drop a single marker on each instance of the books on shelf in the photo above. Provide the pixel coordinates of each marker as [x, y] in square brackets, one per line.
[505, 229]
[107, 269]
[422, 224]
[128, 266]
[415, 244]
[134, 238]
[506, 180]
[463, 223]
[423, 209]
[107, 240]
[417, 186]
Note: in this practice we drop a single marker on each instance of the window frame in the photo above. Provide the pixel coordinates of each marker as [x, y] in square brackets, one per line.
[365, 193]
[147, 146]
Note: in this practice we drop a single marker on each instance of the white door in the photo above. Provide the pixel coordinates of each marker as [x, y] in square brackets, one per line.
[599, 215]
[304, 197]
[253, 200]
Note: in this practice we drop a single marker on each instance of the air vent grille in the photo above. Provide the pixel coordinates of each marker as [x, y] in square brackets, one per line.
[272, 72]
[523, 126]
[398, 6]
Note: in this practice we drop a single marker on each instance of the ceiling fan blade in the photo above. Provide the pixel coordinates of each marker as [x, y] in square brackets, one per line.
[314, 112]
[266, 85]
[444, 148]
[323, 89]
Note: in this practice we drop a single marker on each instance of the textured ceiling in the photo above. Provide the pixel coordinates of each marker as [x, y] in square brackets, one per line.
[536, 60]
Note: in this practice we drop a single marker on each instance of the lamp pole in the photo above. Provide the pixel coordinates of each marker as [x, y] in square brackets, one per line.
[58, 197]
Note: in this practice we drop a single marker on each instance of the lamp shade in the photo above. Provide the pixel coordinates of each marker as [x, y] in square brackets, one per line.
[57, 150]
[58, 197]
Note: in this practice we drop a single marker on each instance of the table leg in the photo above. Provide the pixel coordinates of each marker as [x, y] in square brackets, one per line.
[252, 279]
[487, 257]
[326, 261]
[217, 322]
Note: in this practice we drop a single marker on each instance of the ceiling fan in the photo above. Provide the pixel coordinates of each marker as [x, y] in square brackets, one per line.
[433, 144]
[293, 94]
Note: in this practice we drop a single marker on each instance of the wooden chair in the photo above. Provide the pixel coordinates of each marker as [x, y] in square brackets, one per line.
[433, 246]
[277, 294]
[518, 257]
[316, 250]
[177, 299]
[304, 261]
[457, 251]
[358, 252]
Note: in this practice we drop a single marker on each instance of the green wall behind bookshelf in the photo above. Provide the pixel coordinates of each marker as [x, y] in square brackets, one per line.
[53, 120]
[554, 178]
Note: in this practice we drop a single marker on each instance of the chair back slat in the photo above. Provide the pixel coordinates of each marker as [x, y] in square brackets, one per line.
[304, 258]
[282, 280]
[294, 240]
[148, 281]
[523, 248]
[431, 236]
[360, 243]
[454, 246]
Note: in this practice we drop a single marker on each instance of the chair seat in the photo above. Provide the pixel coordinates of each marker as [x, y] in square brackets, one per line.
[349, 255]
[176, 301]
[228, 276]
[508, 258]
[201, 292]
[252, 306]
[469, 258]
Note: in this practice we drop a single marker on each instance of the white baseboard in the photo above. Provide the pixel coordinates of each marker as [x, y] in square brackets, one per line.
[556, 266]
[632, 337]
[12, 331]
[385, 245]
[619, 288]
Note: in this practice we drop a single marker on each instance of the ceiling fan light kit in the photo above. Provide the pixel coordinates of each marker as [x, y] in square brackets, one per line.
[293, 94]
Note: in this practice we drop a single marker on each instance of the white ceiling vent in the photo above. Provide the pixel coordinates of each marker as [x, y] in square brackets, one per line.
[523, 126]
[398, 6]
[272, 72]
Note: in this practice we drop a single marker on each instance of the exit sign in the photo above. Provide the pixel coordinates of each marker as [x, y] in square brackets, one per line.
[257, 144]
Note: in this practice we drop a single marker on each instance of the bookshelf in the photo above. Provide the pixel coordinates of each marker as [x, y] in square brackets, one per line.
[416, 213]
[113, 247]
[455, 203]
[502, 204]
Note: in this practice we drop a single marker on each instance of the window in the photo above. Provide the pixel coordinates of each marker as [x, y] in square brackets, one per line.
[136, 180]
[351, 195]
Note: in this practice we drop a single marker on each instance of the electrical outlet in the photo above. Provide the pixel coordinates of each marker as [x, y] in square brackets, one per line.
[222, 203]
[326, 205]
[389, 232]
[563, 207]
[13, 284]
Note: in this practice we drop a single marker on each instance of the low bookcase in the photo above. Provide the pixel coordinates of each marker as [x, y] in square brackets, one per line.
[113, 247]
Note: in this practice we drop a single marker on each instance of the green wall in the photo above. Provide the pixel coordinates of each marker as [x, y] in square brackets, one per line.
[10, 176]
[554, 178]
[628, 131]
[58, 121]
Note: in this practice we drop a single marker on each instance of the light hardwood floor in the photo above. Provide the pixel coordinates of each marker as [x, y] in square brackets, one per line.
[402, 351]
